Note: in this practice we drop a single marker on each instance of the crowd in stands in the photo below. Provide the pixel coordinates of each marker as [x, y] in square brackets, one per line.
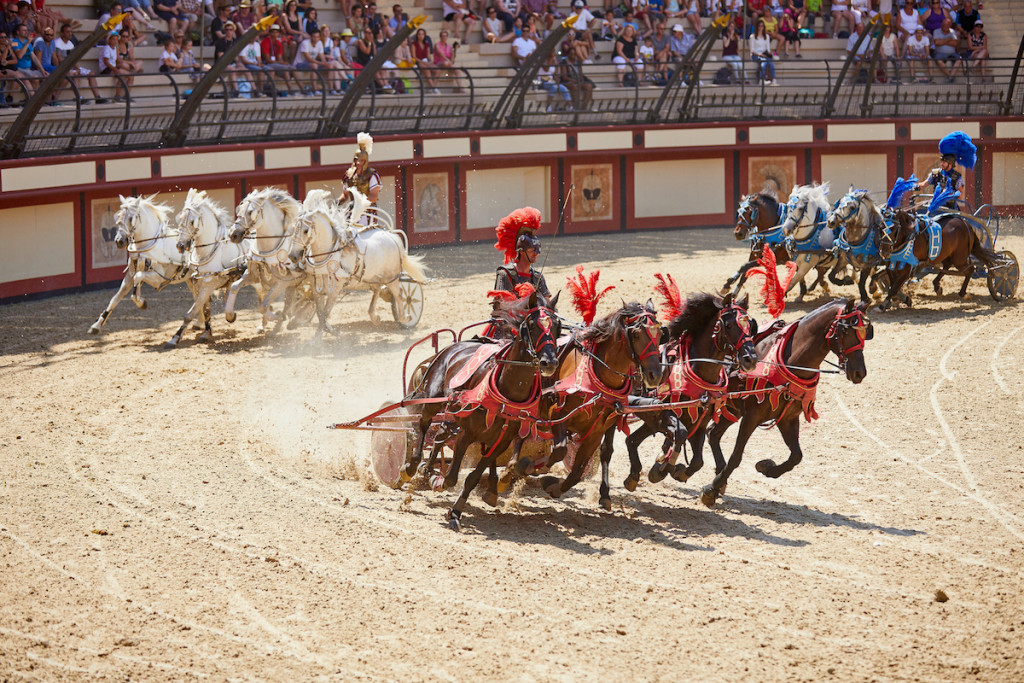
[650, 37]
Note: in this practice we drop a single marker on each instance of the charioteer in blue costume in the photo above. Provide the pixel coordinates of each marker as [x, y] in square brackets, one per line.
[955, 148]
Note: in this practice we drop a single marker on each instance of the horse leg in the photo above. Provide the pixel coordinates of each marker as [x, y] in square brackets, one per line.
[491, 495]
[968, 274]
[739, 277]
[207, 334]
[202, 295]
[717, 486]
[122, 292]
[372, 312]
[604, 493]
[862, 284]
[896, 280]
[683, 473]
[665, 464]
[555, 486]
[455, 513]
[789, 428]
[229, 301]
[633, 442]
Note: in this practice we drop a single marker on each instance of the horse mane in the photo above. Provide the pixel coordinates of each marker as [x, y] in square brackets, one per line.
[700, 310]
[512, 311]
[828, 305]
[612, 324]
[134, 205]
[196, 197]
[769, 200]
[318, 200]
[289, 205]
[814, 193]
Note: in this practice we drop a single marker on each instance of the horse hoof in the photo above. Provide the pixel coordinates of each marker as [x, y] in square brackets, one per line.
[708, 497]
[522, 466]
[553, 486]
[454, 524]
[451, 479]
[606, 503]
[230, 317]
[142, 304]
[679, 474]
[404, 476]
[630, 483]
[173, 344]
[765, 467]
[657, 473]
[490, 498]
[94, 329]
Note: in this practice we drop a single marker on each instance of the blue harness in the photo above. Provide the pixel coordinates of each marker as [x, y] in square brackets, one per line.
[809, 243]
[772, 237]
[905, 256]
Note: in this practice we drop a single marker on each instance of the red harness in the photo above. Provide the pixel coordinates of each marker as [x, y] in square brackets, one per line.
[772, 380]
[684, 383]
[481, 356]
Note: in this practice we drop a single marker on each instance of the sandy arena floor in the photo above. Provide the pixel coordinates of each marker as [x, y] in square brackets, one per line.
[185, 515]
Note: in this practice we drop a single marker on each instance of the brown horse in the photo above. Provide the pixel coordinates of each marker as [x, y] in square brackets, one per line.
[756, 215]
[784, 383]
[593, 381]
[490, 402]
[905, 246]
[699, 339]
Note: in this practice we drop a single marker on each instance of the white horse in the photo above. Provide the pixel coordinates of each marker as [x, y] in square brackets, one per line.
[142, 228]
[344, 255]
[809, 239]
[215, 261]
[857, 223]
[267, 218]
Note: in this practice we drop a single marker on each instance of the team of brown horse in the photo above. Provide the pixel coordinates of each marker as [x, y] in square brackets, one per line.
[690, 378]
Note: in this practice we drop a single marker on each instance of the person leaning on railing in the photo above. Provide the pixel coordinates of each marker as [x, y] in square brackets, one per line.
[8, 68]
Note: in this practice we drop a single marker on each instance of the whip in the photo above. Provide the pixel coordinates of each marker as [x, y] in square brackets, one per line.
[561, 221]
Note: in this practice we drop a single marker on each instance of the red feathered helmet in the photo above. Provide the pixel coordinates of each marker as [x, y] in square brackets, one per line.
[517, 231]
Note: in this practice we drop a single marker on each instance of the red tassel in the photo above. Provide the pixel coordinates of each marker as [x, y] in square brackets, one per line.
[773, 291]
[584, 293]
[501, 295]
[525, 289]
[669, 291]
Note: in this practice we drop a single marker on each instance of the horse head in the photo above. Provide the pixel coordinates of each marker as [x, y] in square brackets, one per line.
[125, 221]
[642, 333]
[246, 215]
[734, 331]
[538, 329]
[846, 337]
[802, 207]
[896, 232]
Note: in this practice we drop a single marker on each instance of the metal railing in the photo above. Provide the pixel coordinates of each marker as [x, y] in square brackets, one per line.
[466, 98]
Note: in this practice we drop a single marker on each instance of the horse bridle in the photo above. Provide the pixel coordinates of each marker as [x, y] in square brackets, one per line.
[250, 234]
[741, 320]
[843, 323]
[646, 321]
[545, 323]
[747, 222]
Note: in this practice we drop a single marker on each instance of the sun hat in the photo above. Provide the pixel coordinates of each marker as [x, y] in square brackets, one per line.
[677, 28]
[346, 32]
[579, 3]
[275, 27]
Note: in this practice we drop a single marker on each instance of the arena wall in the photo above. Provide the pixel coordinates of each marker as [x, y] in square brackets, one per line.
[56, 215]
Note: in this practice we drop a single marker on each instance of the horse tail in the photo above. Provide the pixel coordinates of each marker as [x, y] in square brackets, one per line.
[413, 267]
[986, 256]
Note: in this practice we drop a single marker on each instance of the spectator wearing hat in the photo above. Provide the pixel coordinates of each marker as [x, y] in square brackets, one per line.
[918, 50]
[679, 43]
[582, 28]
[275, 59]
[243, 17]
[977, 46]
[221, 47]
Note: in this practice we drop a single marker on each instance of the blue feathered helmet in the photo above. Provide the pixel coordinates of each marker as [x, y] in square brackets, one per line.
[958, 148]
[899, 190]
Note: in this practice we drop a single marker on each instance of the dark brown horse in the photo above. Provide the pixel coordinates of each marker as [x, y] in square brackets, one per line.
[756, 216]
[593, 380]
[785, 382]
[698, 341]
[905, 246]
[486, 404]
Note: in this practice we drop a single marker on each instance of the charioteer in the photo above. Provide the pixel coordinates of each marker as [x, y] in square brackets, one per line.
[517, 239]
[955, 148]
[360, 174]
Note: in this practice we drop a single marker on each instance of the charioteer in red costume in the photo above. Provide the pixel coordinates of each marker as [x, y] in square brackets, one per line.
[517, 239]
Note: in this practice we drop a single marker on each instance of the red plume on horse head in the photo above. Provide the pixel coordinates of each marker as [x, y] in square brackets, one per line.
[773, 291]
[668, 290]
[523, 290]
[512, 226]
[584, 293]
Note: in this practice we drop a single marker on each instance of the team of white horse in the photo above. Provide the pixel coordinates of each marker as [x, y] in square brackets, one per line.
[309, 252]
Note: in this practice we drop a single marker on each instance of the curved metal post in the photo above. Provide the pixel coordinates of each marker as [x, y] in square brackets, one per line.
[1008, 105]
[14, 142]
[177, 131]
[509, 108]
[337, 125]
[691, 64]
[829, 106]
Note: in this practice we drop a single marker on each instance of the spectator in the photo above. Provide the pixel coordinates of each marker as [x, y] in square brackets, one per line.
[217, 25]
[444, 59]
[225, 43]
[771, 27]
[548, 81]
[662, 52]
[642, 17]
[889, 53]
[692, 13]
[126, 55]
[169, 11]
[934, 16]
[523, 46]
[170, 58]
[292, 33]
[8, 66]
[422, 51]
[789, 34]
[46, 17]
[945, 41]
[646, 51]
[907, 21]
[375, 21]
[275, 58]
[65, 43]
[536, 10]
[251, 59]
[813, 11]
[841, 15]
[22, 47]
[27, 17]
[966, 18]
[977, 45]
[366, 48]
[582, 26]
[799, 11]
[339, 61]
[494, 28]
[918, 50]
[581, 88]
[43, 52]
[110, 64]
[9, 21]
[680, 43]
[731, 51]
[628, 19]
[311, 57]
[397, 21]
[356, 20]
[243, 16]
[627, 55]
[761, 54]
[656, 10]
[455, 11]
[189, 64]
[311, 22]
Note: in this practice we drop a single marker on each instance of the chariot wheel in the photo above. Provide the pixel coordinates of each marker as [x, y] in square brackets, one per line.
[409, 303]
[304, 307]
[390, 447]
[1002, 278]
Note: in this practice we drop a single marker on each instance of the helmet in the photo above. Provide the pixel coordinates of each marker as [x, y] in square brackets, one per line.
[527, 241]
